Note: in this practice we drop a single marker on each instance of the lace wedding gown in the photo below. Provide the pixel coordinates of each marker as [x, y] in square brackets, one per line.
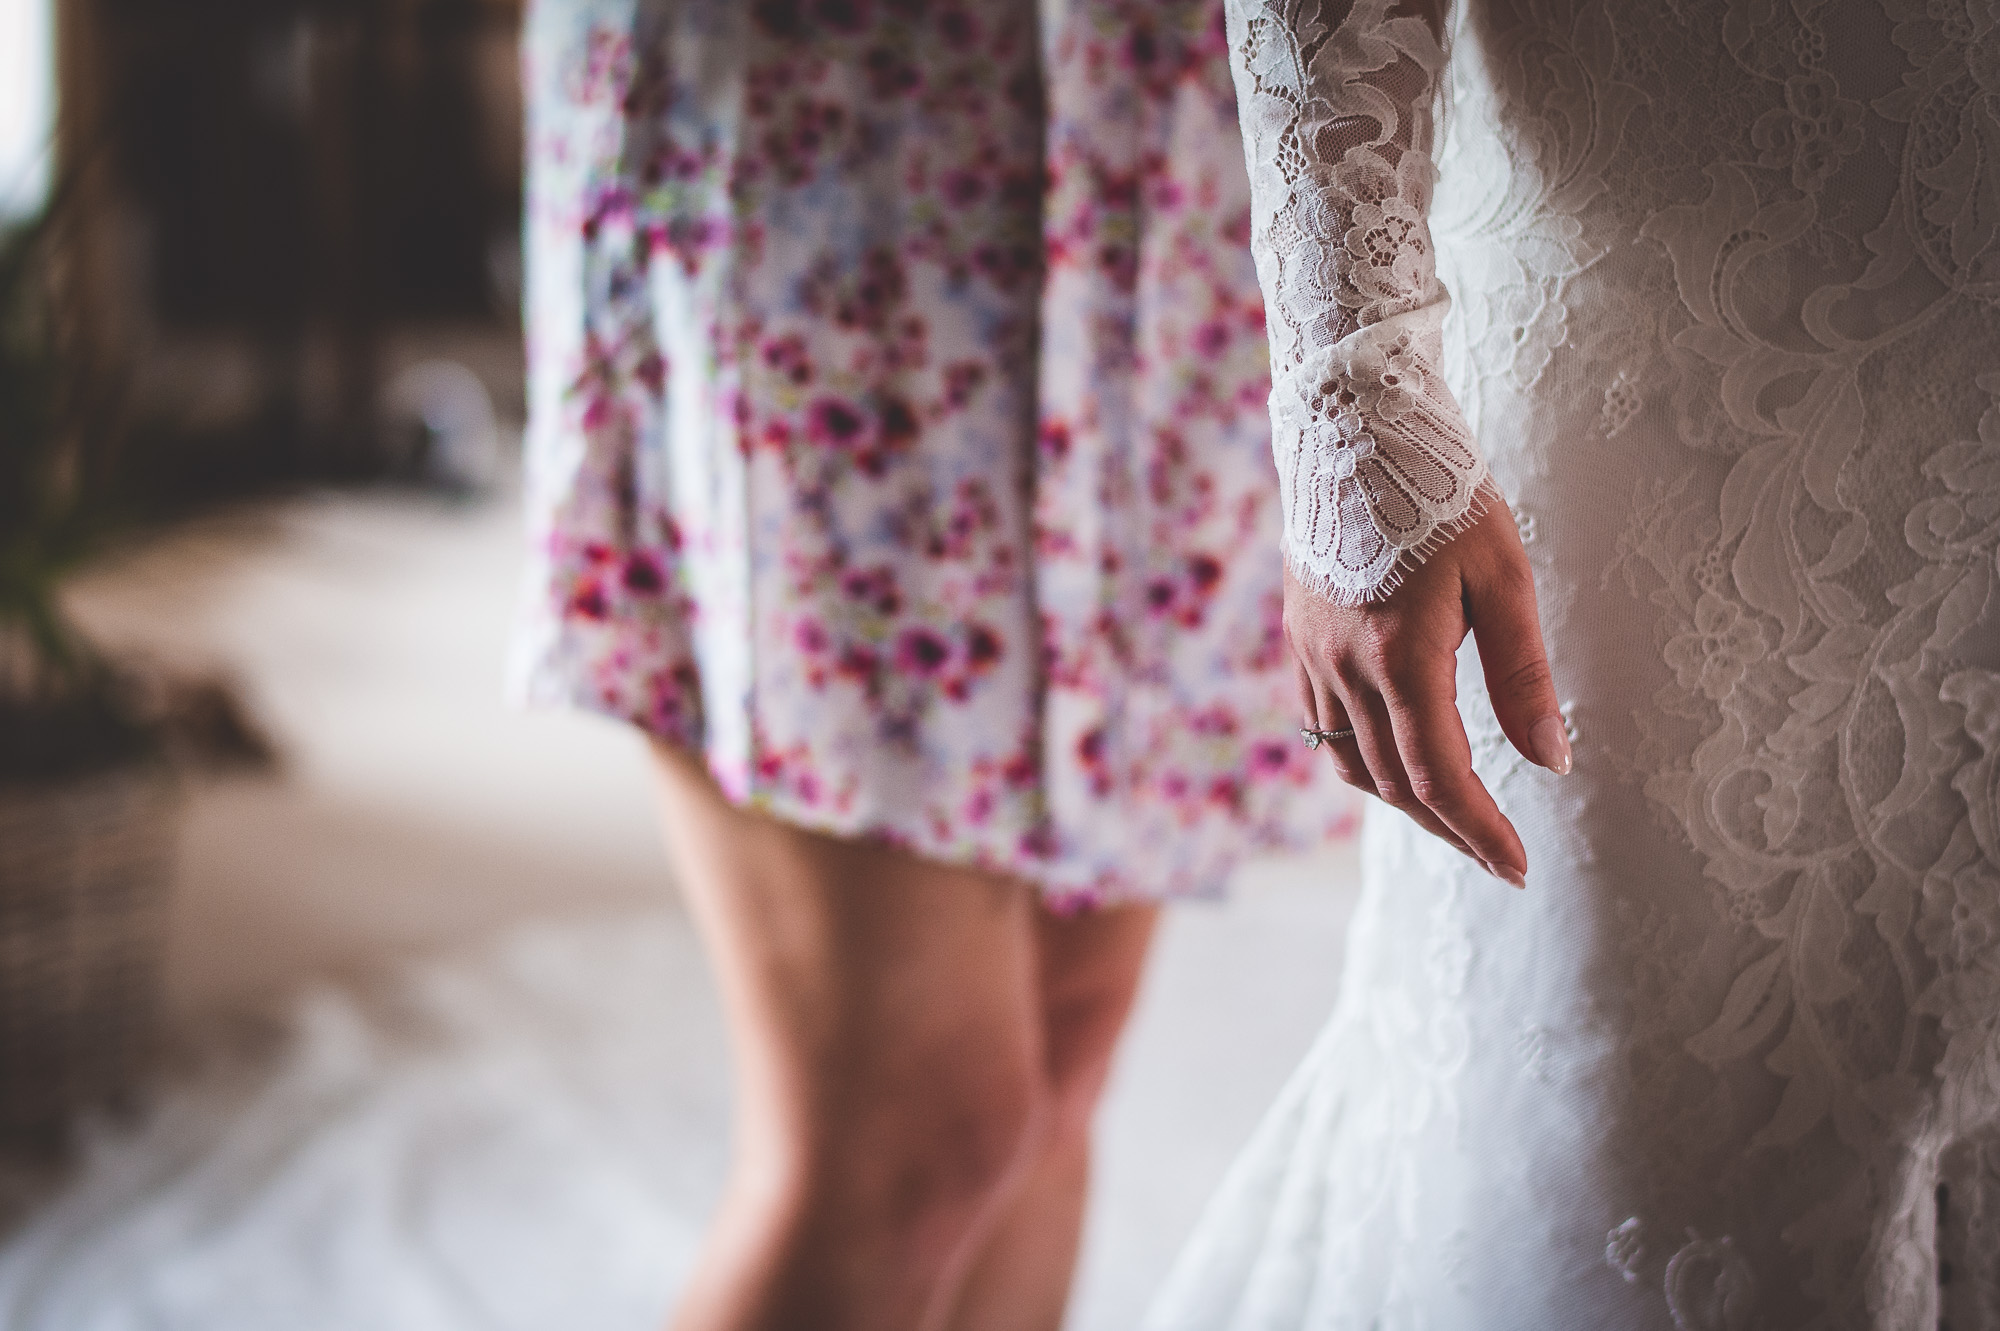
[1726, 331]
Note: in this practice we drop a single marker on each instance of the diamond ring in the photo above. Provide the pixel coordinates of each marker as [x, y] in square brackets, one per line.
[1313, 737]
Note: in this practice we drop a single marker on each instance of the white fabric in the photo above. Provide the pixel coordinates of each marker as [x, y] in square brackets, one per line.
[1726, 329]
[1375, 462]
[522, 1138]
[527, 1134]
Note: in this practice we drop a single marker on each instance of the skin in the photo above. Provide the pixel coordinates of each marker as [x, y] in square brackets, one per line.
[1091, 966]
[919, 1051]
[1388, 670]
[882, 1178]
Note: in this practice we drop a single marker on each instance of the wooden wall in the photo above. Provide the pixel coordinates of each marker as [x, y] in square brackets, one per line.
[270, 193]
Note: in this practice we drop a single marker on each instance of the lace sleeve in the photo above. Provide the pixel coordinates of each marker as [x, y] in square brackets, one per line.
[1376, 464]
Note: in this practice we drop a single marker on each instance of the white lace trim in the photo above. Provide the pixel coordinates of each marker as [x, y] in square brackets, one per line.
[1376, 464]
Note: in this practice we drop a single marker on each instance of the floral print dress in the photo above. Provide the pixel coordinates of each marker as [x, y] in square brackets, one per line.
[898, 432]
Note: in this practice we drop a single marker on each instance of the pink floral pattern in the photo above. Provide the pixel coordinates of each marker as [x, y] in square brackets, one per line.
[898, 434]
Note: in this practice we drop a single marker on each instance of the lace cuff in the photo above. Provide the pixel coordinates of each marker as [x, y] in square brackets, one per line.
[1376, 464]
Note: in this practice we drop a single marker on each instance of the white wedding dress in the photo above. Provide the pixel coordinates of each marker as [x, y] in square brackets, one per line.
[1725, 328]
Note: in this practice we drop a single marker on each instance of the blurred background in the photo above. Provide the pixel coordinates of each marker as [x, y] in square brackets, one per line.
[334, 993]
[274, 208]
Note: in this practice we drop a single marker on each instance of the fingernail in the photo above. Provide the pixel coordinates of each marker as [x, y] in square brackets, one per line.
[1551, 745]
[1507, 874]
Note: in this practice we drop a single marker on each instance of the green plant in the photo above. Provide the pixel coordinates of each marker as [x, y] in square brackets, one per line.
[67, 709]
[64, 710]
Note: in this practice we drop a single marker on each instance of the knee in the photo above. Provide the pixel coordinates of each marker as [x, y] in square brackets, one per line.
[1083, 1027]
[920, 1158]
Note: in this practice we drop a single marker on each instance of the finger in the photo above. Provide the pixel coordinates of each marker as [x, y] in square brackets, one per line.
[1374, 735]
[1393, 783]
[1437, 762]
[1507, 626]
[1308, 696]
[1345, 753]
[1324, 713]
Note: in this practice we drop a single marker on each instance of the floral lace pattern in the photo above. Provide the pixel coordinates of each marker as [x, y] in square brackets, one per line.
[1376, 460]
[1726, 320]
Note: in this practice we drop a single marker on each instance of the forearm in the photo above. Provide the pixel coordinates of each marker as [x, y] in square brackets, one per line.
[1376, 463]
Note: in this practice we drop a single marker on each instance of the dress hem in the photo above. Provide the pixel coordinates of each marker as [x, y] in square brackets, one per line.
[536, 690]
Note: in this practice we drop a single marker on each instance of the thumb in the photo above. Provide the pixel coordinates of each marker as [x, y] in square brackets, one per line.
[1508, 629]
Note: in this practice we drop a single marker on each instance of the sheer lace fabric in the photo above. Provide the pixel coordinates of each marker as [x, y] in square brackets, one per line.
[1726, 324]
[1339, 113]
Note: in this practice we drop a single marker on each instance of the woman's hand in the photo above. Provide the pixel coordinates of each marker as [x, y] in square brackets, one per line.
[1388, 671]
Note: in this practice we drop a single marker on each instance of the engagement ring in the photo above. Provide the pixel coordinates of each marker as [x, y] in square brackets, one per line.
[1313, 737]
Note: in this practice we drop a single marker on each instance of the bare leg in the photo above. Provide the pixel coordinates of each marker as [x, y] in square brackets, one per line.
[1090, 967]
[894, 1081]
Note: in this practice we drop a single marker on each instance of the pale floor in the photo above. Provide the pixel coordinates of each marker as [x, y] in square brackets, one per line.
[419, 816]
